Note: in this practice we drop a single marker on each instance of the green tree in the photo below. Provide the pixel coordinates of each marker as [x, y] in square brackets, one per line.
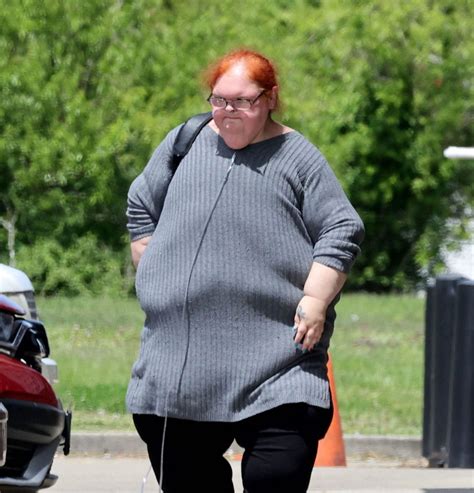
[71, 127]
[393, 86]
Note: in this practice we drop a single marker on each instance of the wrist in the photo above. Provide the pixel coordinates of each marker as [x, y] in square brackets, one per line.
[321, 303]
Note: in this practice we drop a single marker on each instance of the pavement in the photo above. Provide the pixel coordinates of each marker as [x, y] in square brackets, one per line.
[117, 463]
[125, 475]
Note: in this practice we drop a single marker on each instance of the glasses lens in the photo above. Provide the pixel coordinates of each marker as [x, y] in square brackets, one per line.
[6, 327]
[217, 102]
[241, 104]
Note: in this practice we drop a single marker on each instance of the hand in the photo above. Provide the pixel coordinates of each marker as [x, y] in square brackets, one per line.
[309, 321]
[137, 248]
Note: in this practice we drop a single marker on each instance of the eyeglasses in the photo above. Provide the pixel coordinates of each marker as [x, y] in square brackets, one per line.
[237, 104]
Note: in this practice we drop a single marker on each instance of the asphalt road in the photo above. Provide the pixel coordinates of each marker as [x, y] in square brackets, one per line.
[125, 475]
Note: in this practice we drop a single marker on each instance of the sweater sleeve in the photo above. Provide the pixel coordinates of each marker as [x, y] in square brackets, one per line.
[147, 192]
[333, 224]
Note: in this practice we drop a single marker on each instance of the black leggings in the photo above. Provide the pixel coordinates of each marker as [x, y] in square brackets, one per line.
[280, 449]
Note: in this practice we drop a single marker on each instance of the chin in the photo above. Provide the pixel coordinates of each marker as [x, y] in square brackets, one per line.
[234, 143]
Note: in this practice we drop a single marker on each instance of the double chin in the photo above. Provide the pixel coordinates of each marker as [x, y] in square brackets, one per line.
[235, 141]
[232, 131]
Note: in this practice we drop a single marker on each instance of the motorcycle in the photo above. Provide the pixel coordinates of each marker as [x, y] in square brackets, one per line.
[33, 423]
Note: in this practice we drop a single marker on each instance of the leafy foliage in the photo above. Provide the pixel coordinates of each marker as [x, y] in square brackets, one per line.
[86, 268]
[88, 89]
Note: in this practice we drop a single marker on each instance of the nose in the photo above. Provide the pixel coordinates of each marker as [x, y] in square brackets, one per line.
[229, 104]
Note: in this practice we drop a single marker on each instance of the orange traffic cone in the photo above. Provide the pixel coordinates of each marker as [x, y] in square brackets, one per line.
[331, 451]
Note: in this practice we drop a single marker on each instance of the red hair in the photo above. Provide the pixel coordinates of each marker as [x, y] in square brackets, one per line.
[259, 69]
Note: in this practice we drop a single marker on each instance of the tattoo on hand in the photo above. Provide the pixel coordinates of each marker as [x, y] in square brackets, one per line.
[300, 312]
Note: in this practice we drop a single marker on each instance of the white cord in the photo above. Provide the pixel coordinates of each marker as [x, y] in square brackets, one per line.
[193, 264]
[145, 479]
[162, 453]
[185, 318]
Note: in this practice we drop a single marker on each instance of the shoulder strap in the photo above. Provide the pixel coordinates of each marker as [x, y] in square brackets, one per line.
[186, 137]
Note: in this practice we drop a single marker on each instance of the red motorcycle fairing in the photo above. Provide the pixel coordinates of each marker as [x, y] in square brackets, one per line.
[18, 381]
[36, 426]
[34, 433]
[33, 421]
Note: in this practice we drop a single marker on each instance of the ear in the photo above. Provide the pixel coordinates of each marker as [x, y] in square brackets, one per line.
[273, 98]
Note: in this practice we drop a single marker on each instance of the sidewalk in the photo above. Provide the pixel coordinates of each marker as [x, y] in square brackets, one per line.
[125, 475]
[116, 463]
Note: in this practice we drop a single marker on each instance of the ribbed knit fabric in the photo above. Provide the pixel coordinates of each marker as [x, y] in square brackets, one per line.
[224, 350]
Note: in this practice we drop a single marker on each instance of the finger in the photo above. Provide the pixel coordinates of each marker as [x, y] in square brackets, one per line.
[312, 337]
[296, 321]
[308, 343]
[301, 331]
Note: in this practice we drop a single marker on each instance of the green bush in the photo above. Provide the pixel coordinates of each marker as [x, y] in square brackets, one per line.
[85, 267]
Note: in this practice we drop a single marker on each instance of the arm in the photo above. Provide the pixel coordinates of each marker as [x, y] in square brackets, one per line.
[321, 287]
[336, 231]
[146, 197]
[137, 248]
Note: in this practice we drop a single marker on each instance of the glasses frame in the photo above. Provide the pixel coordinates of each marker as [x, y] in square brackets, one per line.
[232, 102]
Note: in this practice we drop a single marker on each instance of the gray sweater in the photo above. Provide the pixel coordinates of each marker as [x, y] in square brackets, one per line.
[233, 239]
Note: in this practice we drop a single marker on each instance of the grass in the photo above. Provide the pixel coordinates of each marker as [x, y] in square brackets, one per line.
[377, 353]
[94, 341]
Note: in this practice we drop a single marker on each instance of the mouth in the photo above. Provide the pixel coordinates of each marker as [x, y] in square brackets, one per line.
[231, 118]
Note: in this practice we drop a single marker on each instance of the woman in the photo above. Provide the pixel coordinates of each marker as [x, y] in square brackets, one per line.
[241, 257]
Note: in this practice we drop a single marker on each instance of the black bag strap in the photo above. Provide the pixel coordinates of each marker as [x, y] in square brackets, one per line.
[186, 137]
